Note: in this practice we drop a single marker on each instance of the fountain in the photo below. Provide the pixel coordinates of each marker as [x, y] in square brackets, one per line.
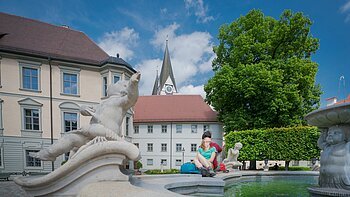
[97, 152]
[334, 124]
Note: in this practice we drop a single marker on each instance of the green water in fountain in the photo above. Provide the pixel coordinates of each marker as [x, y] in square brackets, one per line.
[295, 186]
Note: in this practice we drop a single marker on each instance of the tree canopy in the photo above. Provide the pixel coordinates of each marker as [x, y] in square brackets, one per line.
[264, 75]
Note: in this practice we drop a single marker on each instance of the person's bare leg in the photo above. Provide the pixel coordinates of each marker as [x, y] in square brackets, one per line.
[203, 161]
[197, 163]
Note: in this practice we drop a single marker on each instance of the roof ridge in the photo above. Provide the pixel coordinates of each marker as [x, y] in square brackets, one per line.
[38, 21]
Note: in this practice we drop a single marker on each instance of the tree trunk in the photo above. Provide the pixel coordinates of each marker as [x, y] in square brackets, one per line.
[252, 165]
[287, 165]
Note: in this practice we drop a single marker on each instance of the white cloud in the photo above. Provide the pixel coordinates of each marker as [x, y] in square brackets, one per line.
[148, 74]
[200, 10]
[190, 89]
[191, 54]
[345, 9]
[120, 42]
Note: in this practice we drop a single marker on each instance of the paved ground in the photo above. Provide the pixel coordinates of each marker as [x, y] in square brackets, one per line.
[10, 189]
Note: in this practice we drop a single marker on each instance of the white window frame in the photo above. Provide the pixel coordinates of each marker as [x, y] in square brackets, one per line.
[176, 147]
[1, 157]
[164, 128]
[71, 71]
[116, 74]
[192, 129]
[104, 86]
[178, 162]
[177, 128]
[149, 128]
[69, 107]
[161, 147]
[127, 125]
[29, 103]
[149, 162]
[1, 119]
[208, 127]
[149, 147]
[194, 146]
[136, 129]
[30, 65]
[165, 162]
[25, 160]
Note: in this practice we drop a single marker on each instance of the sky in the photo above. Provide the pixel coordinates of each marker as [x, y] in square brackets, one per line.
[138, 30]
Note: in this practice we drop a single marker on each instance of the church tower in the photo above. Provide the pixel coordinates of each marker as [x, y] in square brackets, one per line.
[165, 82]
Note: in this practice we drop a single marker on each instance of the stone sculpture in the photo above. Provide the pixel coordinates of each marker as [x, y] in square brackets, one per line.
[97, 150]
[105, 122]
[232, 156]
[334, 124]
[335, 157]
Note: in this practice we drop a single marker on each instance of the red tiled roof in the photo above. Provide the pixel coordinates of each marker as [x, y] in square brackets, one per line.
[343, 101]
[38, 38]
[173, 108]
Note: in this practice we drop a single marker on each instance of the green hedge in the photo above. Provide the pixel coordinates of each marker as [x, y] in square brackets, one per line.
[157, 171]
[293, 143]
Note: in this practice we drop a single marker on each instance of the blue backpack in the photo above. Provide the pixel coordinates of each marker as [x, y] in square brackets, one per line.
[189, 168]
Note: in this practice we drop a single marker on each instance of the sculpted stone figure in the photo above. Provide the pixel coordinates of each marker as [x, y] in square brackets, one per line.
[106, 120]
[232, 156]
[335, 157]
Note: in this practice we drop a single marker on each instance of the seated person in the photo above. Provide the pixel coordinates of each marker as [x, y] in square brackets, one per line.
[217, 147]
[205, 157]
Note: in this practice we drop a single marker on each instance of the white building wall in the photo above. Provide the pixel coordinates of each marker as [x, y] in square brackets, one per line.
[171, 138]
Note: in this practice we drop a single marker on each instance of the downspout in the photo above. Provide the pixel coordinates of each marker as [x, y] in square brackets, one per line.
[51, 113]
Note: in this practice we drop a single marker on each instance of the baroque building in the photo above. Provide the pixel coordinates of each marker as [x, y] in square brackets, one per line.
[46, 73]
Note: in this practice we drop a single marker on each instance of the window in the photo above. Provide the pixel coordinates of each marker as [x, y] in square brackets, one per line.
[164, 147]
[193, 147]
[150, 129]
[178, 128]
[31, 119]
[70, 121]
[127, 122]
[164, 128]
[30, 76]
[136, 129]
[104, 85]
[194, 128]
[149, 147]
[70, 83]
[137, 145]
[66, 156]
[178, 162]
[1, 163]
[31, 161]
[150, 162]
[163, 162]
[116, 78]
[178, 147]
[1, 122]
[205, 127]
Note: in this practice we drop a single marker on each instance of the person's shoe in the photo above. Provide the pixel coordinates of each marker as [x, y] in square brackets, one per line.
[204, 172]
[211, 173]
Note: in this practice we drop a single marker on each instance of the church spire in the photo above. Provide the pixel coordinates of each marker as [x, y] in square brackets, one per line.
[156, 85]
[167, 83]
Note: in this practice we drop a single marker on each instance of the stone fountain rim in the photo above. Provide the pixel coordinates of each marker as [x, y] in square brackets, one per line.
[326, 110]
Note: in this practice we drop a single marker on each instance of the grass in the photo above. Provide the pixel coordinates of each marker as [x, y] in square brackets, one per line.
[157, 171]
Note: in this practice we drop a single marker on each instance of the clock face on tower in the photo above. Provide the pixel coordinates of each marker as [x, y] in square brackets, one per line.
[168, 89]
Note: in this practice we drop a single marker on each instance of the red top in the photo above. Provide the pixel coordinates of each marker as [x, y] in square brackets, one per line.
[218, 149]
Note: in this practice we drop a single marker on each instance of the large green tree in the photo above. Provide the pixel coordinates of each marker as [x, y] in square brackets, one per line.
[264, 75]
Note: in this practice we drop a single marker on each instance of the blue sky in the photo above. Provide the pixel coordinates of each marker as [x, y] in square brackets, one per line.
[137, 30]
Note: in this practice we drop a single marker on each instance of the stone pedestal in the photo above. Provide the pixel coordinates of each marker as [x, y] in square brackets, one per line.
[97, 163]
